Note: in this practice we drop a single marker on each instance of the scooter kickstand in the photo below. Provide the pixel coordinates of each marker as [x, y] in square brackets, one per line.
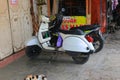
[53, 57]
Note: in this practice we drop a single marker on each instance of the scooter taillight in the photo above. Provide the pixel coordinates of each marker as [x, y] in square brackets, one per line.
[89, 38]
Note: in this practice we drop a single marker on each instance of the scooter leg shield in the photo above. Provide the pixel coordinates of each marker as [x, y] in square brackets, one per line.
[32, 41]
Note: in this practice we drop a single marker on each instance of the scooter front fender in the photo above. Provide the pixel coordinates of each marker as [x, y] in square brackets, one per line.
[33, 41]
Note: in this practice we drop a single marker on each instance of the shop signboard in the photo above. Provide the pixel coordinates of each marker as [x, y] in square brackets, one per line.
[73, 21]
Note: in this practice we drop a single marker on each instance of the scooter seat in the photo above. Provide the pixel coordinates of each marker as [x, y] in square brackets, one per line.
[85, 27]
[75, 32]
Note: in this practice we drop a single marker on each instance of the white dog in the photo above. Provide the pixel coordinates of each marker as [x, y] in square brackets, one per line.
[36, 77]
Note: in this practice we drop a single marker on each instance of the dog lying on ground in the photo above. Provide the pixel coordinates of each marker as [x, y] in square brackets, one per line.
[36, 77]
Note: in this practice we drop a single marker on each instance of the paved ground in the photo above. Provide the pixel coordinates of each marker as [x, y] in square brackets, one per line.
[104, 65]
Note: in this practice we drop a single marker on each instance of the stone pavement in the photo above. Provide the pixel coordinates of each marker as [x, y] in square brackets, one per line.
[104, 65]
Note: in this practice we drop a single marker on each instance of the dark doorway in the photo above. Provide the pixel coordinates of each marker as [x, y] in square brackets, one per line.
[72, 7]
[51, 6]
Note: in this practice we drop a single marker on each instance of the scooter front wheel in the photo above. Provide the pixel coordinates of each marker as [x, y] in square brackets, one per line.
[32, 51]
[81, 58]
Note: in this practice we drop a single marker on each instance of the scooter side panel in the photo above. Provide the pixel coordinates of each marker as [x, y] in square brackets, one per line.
[75, 44]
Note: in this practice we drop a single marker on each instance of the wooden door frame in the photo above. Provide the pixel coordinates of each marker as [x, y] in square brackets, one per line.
[54, 7]
[34, 23]
[48, 7]
[88, 11]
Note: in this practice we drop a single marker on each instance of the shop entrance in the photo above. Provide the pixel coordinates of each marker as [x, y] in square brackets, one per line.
[73, 7]
[75, 13]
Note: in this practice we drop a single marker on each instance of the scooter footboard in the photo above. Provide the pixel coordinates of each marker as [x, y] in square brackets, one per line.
[75, 44]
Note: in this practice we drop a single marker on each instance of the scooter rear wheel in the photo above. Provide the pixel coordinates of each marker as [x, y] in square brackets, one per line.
[32, 51]
[81, 58]
[98, 44]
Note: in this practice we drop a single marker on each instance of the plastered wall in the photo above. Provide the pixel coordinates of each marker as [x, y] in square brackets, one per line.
[15, 26]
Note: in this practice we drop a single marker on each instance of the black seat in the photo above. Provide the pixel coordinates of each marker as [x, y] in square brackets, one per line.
[75, 32]
[85, 27]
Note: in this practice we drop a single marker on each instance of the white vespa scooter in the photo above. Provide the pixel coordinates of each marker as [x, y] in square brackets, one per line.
[51, 38]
